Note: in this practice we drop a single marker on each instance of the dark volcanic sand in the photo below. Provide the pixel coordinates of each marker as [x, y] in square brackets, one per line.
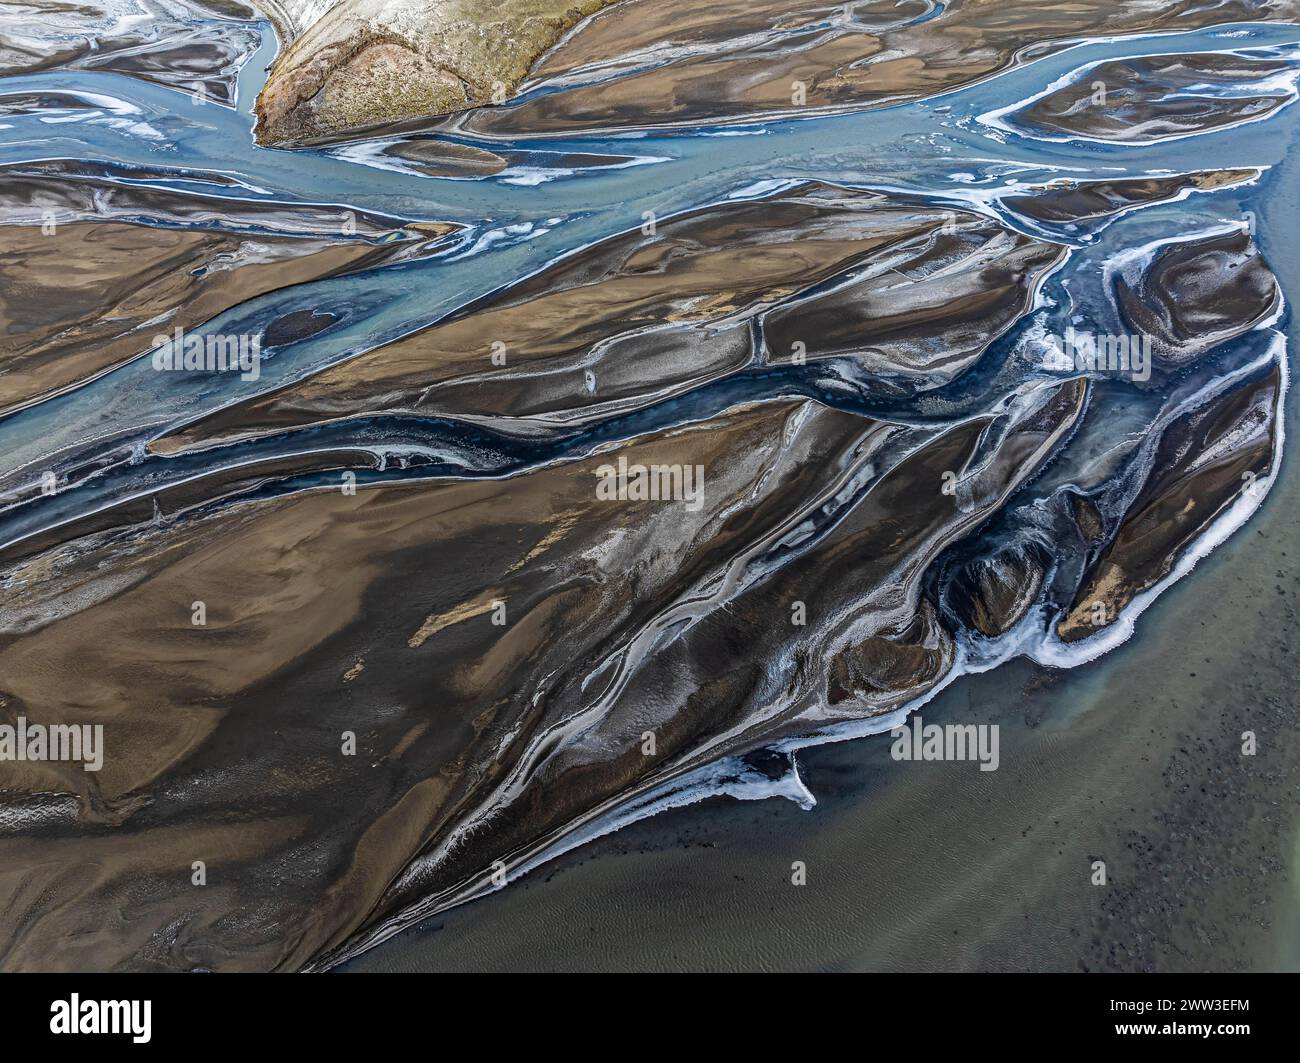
[1133, 759]
[940, 867]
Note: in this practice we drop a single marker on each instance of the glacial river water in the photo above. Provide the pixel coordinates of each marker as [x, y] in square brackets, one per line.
[936, 147]
[948, 152]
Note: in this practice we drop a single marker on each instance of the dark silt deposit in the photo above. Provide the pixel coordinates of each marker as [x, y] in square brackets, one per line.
[576, 426]
[1155, 97]
[911, 292]
[1079, 206]
[196, 46]
[93, 270]
[532, 70]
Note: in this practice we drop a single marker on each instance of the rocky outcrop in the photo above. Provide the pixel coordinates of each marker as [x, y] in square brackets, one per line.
[365, 62]
[647, 63]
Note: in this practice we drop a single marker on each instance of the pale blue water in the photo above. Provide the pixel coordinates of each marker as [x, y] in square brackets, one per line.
[935, 148]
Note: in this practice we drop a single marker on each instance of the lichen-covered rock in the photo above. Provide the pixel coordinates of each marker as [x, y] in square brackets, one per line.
[370, 61]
